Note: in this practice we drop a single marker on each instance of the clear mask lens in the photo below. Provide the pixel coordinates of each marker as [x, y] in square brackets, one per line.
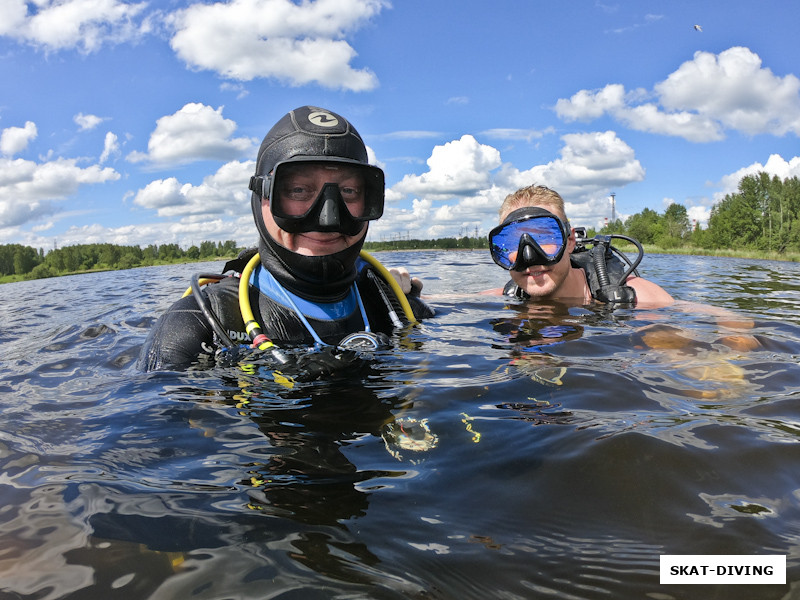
[325, 195]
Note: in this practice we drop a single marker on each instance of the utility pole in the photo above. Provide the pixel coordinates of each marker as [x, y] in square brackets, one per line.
[613, 209]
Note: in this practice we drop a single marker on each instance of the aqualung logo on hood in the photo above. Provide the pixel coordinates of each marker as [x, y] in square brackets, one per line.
[323, 119]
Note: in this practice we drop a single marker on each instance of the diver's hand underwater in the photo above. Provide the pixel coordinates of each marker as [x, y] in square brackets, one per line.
[329, 361]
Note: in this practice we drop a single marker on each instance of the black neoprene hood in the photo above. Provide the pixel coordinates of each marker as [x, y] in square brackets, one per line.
[304, 132]
[310, 131]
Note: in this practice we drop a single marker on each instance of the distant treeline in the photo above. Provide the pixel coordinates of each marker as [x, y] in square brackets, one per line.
[763, 216]
[32, 264]
[437, 244]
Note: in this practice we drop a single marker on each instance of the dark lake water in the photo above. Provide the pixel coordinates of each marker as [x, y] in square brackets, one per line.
[498, 451]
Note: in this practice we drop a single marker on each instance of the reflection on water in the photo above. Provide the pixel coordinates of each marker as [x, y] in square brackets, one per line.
[499, 450]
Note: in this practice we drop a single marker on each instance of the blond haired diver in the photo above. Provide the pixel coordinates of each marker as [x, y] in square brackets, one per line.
[547, 259]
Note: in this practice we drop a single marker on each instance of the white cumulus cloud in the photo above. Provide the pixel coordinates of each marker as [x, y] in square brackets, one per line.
[468, 181]
[86, 122]
[297, 43]
[27, 188]
[222, 193]
[110, 147]
[734, 89]
[590, 165]
[15, 139]
[699, 101]
[184, 232]
[459, 167]
[64, 24]
[195, 132]
[776, 166]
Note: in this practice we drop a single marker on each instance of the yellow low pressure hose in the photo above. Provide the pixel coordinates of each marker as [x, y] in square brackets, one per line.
[253, 329]
[260, 341]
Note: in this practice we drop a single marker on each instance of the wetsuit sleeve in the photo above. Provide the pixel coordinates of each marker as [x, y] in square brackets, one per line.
[180, 336]
[418, 306]
[420, 309]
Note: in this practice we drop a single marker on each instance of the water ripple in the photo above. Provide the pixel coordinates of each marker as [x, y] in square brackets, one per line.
[501, 450]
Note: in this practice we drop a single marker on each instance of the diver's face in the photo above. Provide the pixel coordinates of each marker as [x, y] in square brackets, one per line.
[540, 281]
[299, 190]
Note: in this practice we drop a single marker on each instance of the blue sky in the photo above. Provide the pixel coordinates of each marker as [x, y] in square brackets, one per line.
[138, 122]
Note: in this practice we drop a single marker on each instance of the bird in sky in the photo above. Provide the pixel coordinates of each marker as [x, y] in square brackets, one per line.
[698, 28]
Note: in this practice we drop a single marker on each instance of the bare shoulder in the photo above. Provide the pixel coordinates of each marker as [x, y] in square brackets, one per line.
[649, 294]
[492, 292]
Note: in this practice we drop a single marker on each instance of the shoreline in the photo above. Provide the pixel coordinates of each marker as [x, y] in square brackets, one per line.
[726, 253]
[723, 253]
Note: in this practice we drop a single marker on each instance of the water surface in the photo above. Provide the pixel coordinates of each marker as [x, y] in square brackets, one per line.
[501, 450]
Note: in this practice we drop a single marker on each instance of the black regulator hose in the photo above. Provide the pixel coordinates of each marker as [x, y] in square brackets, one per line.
[633, 264]
[202, 302]
[617, 292]
[599, 259]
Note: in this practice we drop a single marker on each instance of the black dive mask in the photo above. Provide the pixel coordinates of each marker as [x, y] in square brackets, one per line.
[528, 236]
[337, 195]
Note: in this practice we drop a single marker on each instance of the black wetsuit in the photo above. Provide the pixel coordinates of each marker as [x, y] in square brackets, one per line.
[183, 336]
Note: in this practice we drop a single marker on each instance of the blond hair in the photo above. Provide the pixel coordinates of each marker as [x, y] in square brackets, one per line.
[534, 195]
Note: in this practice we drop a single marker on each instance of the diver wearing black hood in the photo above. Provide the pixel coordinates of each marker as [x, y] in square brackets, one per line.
[314, 193]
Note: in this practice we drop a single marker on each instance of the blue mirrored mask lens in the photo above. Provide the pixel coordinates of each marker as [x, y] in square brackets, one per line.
[544, 231]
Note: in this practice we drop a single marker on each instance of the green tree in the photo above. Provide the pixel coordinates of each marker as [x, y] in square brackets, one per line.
[25, 259]
[109, 255]
[229, 248]
[150, 254]
[781, 204]
[42, 271]
[15, 258]
[613, 227]
[133, 253]
[169, 252]
[736, 222]
[789, 233]
[73, 258]
[644, 226]
[676, 226]
[699, 237]
[208, 249]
